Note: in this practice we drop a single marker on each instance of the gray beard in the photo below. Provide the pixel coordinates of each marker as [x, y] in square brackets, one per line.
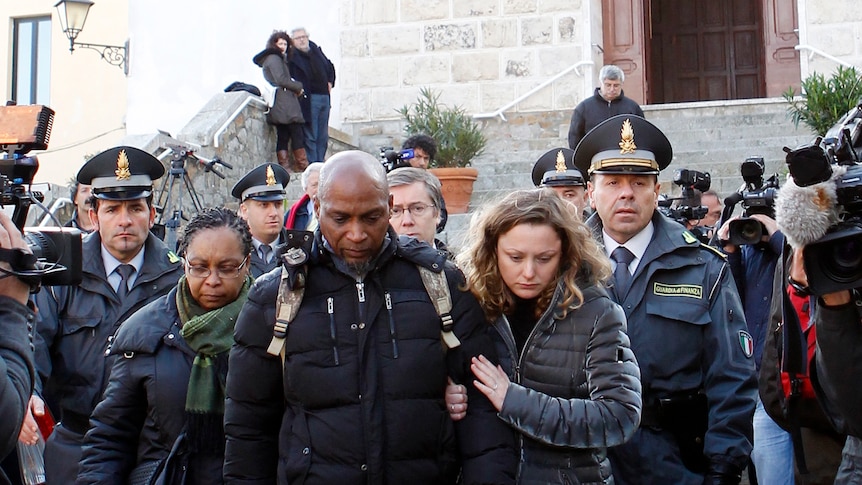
[360, 269]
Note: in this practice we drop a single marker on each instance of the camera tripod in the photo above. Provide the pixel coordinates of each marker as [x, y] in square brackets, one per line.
[170, 209]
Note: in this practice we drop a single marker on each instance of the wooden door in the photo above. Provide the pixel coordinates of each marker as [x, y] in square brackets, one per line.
[703, 50]
[623, 44]
[782, 60]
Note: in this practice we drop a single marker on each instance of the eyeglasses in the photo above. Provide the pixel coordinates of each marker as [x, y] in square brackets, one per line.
[301, 37]
[225, 273]
[416, 210]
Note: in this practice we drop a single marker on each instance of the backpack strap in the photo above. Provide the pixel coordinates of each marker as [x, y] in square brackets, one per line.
[437, 287]
[291, 287]
[286, 306]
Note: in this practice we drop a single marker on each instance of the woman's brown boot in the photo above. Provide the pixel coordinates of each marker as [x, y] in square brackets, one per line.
[300, 160]
[284, 159]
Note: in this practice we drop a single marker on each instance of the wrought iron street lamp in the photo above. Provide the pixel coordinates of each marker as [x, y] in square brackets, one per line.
[73, 15]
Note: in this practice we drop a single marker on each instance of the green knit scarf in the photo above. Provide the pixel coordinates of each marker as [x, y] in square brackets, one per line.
[210, 336]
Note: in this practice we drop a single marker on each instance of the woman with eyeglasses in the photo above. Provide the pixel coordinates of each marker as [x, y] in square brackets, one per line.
[162, 412]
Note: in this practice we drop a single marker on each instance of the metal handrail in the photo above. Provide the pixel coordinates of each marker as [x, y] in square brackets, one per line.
[813, 50]
[250, 98]
[499, 112]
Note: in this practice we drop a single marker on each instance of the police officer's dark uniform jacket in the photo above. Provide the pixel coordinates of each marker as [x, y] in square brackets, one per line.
[149, 384]
[76, 324]
[687, 329]
[684, 319]
[564, 364]
[360, 398]
[259, 266]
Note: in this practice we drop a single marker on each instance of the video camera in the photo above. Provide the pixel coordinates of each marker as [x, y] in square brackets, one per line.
[56, 252]
[687, 206]
[392, 159]
[757, 197]
[833, 262]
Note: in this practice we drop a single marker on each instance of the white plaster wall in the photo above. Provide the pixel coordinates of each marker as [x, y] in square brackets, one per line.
[87, 94]
[184, 52]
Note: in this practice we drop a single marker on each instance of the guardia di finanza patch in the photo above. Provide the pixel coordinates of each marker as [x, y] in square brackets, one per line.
[690, 291]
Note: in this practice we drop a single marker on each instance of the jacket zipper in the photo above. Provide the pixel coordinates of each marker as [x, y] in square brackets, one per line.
[392, 332]
[331, 311]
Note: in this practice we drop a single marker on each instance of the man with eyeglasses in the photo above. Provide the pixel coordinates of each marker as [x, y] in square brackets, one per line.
[261, 194]
[125, 266]
[416, 200]
[310, 66]
[358, 393]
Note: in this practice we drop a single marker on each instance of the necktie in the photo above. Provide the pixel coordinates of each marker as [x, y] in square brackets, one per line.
[125, 271]
[622, 277]
[265, 253]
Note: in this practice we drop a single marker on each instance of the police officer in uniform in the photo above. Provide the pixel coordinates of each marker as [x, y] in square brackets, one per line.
[125, 267]
[685, 319]
[261, 194]
[556, 170]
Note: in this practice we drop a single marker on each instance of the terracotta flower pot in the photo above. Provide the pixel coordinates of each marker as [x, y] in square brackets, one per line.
[457, 185]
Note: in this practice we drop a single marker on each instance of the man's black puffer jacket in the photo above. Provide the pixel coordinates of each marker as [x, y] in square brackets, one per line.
[361, 397]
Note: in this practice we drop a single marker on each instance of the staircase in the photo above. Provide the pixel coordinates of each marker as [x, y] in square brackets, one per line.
[712, 137]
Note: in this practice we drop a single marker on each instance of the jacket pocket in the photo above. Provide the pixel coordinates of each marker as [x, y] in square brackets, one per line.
[75, 324]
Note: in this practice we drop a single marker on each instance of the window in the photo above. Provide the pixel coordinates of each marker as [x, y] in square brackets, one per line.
[31, 60]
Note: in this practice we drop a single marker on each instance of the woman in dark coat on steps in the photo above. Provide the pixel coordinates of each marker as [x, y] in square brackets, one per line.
[285, 113]
[165, 395]
[571, 385]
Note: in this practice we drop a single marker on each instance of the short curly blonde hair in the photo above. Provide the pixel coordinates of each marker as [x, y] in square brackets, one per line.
[582, 261]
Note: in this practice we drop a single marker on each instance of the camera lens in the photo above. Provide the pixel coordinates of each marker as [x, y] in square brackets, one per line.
[842, 261]
[746, 231]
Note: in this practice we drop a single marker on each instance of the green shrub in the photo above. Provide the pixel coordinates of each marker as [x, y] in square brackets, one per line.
[825, 101]
[458, 137]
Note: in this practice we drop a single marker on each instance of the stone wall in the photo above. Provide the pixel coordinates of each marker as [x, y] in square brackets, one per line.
[834, 27]
[480, 54]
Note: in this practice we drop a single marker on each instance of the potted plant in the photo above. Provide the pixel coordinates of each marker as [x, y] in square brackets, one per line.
[459, 140]
[824, 101]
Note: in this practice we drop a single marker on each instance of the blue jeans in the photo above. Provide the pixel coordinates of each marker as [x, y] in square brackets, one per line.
[773, 450]
[317, 128]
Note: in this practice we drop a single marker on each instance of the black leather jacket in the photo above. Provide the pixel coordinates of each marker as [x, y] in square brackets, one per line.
[576, 390]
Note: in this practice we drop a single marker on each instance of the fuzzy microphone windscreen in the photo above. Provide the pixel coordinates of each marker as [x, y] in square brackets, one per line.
[804, 214]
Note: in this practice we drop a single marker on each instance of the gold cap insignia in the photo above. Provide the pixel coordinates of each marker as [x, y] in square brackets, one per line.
[122, 170]
[270, 176]
[561, 162]
[627, 144]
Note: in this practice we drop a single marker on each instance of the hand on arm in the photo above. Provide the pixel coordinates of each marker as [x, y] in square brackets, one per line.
[492, 380]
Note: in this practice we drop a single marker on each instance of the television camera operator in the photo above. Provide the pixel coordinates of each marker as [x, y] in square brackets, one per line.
[753, 244]
[820, 213]
[16, 350]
